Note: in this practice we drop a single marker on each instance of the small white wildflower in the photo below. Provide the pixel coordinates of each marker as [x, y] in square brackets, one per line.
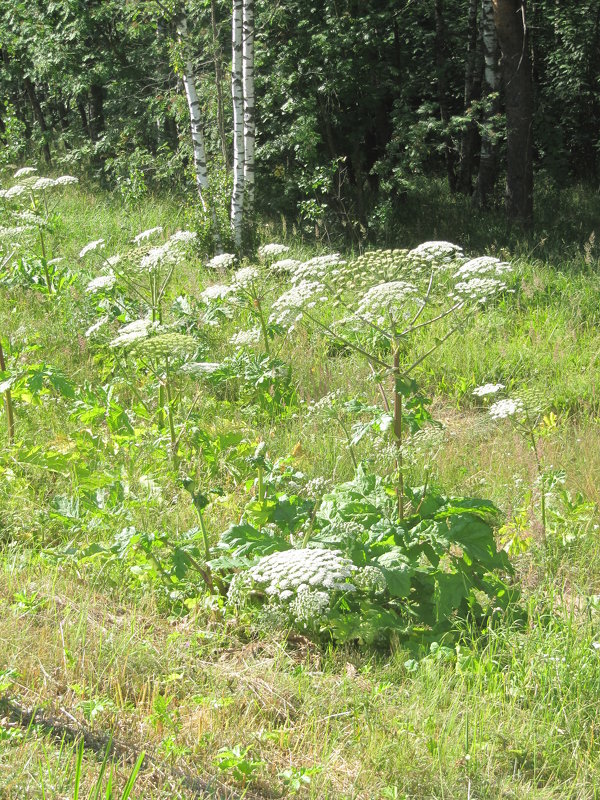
[271, 250]
[222, 261]
[24, 171]
[65, 180]
[113, 260]
[43, 183]
[15, 191]
[487, 388]
[506, 408]
[98, 243]
[145, 235]
[101, 282]
[244, 338]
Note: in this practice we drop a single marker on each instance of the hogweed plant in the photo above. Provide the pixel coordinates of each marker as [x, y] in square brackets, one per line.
[387, 297]
[527, 411]
[29, 220]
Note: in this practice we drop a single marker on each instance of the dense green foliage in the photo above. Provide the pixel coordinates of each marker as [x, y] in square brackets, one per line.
[354, 101]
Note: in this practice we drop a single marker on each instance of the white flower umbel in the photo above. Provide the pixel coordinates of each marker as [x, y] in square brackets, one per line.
[218, 291]
[506, 408]
[272, 250]
[113, 260]
[295, 571]
[318, 268]
[98, 243]
[198, 369]
[93, 329]
[222, 261]
[243, 278]
[479, 290]
[24, 172]
[15, 191]
[436, 251]
[65, 180]
[287, 309]
[43, 183]
[183, 237]
[246, 338]
[147, 234]
[284, 266]
[138, 329]
[382, 303]
[483, 266]
[487, 388]
[102, 282]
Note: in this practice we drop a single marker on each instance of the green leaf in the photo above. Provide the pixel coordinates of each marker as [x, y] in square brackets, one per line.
[245, 539]
[406, 386]
[450, 590]
[397, 570]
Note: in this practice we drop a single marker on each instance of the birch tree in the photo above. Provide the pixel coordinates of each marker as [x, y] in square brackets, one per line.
[237, 91]
[491, 85]
[198, 147]
[249, 111]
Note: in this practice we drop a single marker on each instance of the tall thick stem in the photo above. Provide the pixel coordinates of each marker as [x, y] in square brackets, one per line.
[398, 433]
[8, 407]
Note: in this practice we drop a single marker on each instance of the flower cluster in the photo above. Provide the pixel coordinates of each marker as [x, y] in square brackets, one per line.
[101, 283]
[483, 266]
[382, 303]
[245, 338]
[285, 266]
[138, 329]
[222, 261]
[287, 309]
[283, 575]
[477, 289]
[218, 291]
[440, 252]
[169, 345]
[487, 388]
[147, 234]
[171, 252]
[502, 409]
[272, 250]
[91, 246]
[244, 278]
[319, 268]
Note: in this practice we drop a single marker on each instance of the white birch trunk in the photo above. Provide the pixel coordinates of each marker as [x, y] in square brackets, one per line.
[237, 91]
[491, 86]
[198, 148]
[249, 115]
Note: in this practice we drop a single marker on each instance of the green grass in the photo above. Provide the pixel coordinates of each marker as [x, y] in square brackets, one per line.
[509, 712]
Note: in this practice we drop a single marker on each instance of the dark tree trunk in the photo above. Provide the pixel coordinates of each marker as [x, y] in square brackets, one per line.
[96, 121]
[83, 115]
[441, 63]
[513, 38]
[468, 145]
[39, 117]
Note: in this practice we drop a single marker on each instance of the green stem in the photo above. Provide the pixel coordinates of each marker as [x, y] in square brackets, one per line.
[262, 325]
[204, 534]
[10, 419]
[44, 264]
[261, 488]
[170, 417]
[398, 434]
[538, 465]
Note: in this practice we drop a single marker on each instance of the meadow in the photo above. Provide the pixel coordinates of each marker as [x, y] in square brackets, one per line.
[146, 466]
